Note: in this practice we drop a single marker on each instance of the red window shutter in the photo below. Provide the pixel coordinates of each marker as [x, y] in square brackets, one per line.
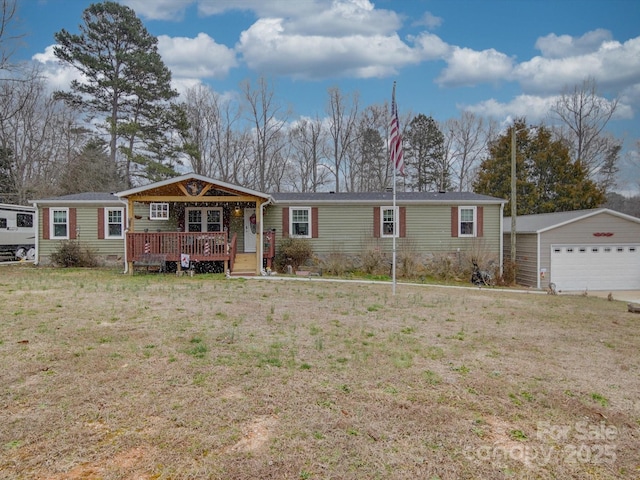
[403, 221]
[45, 224]
[100, 223]
[72, 224]
[376, 222]
[480, 220]
[314, 222]
[285, 222]
[454, 221]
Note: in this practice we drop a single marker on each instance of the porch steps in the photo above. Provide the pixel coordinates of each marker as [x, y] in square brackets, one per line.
[245, 264]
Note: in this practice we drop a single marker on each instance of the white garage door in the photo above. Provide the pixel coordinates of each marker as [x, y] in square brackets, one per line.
[595, 267]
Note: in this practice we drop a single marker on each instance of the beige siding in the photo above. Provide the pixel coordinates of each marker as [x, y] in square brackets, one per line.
[348, 229]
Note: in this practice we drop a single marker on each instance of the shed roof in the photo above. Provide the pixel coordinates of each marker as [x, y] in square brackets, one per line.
[547, 221]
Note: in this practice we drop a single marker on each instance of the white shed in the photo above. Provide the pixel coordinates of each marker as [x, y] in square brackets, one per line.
[582, 250]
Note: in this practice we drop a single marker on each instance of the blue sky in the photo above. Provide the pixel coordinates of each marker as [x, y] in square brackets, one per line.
[498, 58]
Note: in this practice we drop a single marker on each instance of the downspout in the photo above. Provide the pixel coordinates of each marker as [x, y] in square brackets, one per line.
[261, 247]
[126, 230]
[36, 229]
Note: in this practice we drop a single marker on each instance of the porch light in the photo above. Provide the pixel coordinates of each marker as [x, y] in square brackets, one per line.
[237, 209]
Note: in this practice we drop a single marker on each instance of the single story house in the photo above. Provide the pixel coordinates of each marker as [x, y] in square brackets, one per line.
[213, 221]
[583, 250]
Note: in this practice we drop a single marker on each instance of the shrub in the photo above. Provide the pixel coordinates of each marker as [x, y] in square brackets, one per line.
[337, 263]
[407, 261]
[70, 254]
[374, 261]
[294, 252]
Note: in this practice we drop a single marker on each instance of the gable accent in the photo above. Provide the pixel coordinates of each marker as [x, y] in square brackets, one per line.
[376, 222]
[73, 225]
[101, 223]
[454, 221]
[45, 224]
[314, 222]
[480, 220]
[403, 221]
[285, 222]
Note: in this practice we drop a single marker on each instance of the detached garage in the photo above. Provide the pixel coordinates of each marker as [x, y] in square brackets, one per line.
[577, 251]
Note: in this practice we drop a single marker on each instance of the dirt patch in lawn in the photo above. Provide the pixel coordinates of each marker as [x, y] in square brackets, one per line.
[157, 376]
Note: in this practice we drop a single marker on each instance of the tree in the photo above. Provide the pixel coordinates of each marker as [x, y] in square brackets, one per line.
[466, 141]
[268, 119]
[585, 114]
[8, 13]
[546, 178]
[91, 170]
[343, 114]
[307, 138]
[124, 79]
[424, 155]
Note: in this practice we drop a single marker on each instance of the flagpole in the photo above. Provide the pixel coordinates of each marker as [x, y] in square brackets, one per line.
[395, 220]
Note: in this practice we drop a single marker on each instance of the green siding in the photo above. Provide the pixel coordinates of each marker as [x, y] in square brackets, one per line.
[87, 236]
[347, 229]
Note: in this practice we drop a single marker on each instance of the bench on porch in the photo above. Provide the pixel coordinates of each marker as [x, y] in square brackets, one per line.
[151, 262]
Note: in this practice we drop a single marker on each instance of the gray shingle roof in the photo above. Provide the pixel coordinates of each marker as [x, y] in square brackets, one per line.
[384, 197]
[89, 197]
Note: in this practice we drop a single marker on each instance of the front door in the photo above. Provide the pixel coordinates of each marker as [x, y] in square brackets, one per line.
[250, 233]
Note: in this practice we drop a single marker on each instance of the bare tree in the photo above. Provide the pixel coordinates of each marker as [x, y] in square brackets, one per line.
[306, 139]
[466, 141]
[38, 139]
[8, 38]
[268, 119]
[343, 115]
[585, 114]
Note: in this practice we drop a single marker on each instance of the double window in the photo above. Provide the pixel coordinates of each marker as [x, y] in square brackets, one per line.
[204, 219]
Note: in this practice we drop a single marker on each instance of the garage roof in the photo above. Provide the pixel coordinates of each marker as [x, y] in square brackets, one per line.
[548, 221]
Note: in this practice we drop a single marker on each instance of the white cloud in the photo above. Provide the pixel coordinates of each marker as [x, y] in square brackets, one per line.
[533, 108]
[58, 76]
[159, 9]
[429, 20]
[266, 48]
[554, 46]
[468, 67]
[199, 57]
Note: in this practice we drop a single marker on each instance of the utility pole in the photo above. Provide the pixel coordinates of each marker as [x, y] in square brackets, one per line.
[513, 197]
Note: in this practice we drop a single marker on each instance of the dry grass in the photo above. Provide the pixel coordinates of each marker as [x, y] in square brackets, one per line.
[151, 377]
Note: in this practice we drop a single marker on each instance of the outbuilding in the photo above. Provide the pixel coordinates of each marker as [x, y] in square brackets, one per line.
[582, 250]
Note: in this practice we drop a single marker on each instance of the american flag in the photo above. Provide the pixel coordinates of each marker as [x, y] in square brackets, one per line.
[395, 138]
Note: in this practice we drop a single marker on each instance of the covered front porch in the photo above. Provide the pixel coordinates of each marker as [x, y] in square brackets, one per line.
[193, 220]
[199, 247]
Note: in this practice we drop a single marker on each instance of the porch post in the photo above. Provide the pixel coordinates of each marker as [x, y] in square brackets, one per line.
[130, 227]
[260, 236]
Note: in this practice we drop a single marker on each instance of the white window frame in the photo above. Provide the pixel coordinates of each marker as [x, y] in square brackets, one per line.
[475, 221]
[383, 223]
[204, 221]
[291, 222]
[159, 211]
[52, 224]
[107, 211]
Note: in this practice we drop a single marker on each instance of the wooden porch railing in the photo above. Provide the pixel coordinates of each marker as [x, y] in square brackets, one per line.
[269, 247]
[200, 246]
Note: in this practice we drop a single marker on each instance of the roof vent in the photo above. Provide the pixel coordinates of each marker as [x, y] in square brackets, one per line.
[332, 191]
